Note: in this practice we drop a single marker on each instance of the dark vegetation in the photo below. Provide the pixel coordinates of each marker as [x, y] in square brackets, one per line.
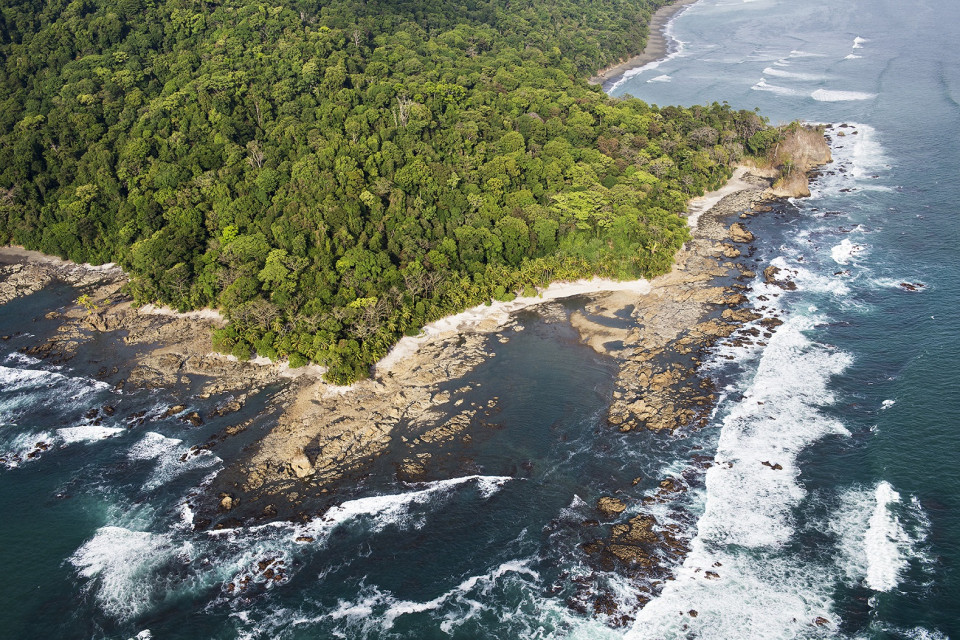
[333, 175]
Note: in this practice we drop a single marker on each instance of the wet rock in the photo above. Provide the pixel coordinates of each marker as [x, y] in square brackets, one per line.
[301, 466]
[136, 419]
[174, 410]
[638, 529]
[630, 554]
[193, 418]
[604, 604]
[741, 316]
[914, 286]
[770, 277]
[739, 233]
[730, 251]
[820, 621]
[230, 406]
[610, 507]
[411, 469]
[735, 300]
[670, 485]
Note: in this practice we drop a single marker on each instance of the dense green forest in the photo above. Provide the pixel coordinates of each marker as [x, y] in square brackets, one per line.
[333, 175]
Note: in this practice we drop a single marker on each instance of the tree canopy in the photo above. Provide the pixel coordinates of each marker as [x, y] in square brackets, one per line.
[334, 175]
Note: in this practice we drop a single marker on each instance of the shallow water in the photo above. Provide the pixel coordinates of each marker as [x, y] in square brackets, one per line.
[854, 397]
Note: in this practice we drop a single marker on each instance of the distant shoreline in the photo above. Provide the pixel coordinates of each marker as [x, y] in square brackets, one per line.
[656, 48]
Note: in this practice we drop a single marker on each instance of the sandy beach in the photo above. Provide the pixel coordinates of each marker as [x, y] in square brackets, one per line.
[657, 44]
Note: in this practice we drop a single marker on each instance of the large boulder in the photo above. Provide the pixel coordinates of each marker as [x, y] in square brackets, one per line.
[610, 507]
[739, 233]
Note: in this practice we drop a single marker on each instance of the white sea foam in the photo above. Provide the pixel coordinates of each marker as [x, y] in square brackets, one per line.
[123, 567]
[661, 78]
[875, 543]
[675, 48]
[69, 388]
[805, 279]
[885, 542]
[780, 73]
[846, 251]
[748, 503]
[481, 584]
[22, 389]
[868, 155]
[87, 433]
[887, 404]
[858, 42]
[852, 56]
[747, 597]
[463, 601]
[763, 85]
[752, 588]
[829, 95]
[859, 159]
[394, 509]
[151, 446]
[21, 359]
[917, 633]
[168, 453]
[20, 445]
[373, 610]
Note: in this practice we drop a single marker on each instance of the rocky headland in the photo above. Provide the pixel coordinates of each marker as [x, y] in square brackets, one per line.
[325, 435]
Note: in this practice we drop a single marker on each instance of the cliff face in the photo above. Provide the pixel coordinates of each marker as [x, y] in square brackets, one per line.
[802, 149]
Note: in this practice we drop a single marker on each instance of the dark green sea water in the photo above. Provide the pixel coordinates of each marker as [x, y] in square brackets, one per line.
[855, 397]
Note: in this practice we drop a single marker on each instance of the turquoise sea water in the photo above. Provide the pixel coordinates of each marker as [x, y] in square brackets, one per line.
[855, 397]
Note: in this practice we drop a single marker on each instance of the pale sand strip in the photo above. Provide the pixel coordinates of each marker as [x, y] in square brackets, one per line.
[700, 205]
[656, 44]
[484, 318]
[489, 318]
[15, 254]
[200, 314]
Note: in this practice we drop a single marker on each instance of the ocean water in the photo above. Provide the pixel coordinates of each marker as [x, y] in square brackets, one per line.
[856, 536]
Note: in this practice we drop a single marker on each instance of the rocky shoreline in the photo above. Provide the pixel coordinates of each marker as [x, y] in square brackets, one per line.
[660, 386]
[415, 408]
[327, 435]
